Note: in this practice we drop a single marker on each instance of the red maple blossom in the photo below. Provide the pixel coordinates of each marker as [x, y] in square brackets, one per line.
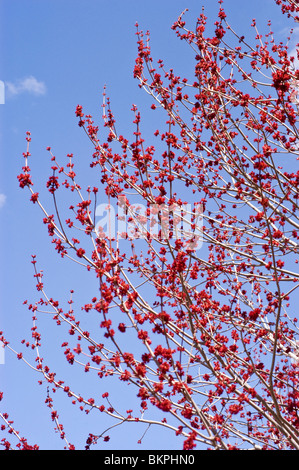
[212, 321]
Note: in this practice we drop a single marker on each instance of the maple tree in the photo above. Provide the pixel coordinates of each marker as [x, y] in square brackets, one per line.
[202, 325]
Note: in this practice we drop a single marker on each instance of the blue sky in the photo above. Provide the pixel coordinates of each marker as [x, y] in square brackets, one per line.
[56, 54]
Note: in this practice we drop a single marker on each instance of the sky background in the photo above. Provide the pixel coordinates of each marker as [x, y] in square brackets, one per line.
[56, 54]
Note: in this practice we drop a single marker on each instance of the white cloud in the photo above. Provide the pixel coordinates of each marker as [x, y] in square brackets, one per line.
[26, 85]
[2, 200]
